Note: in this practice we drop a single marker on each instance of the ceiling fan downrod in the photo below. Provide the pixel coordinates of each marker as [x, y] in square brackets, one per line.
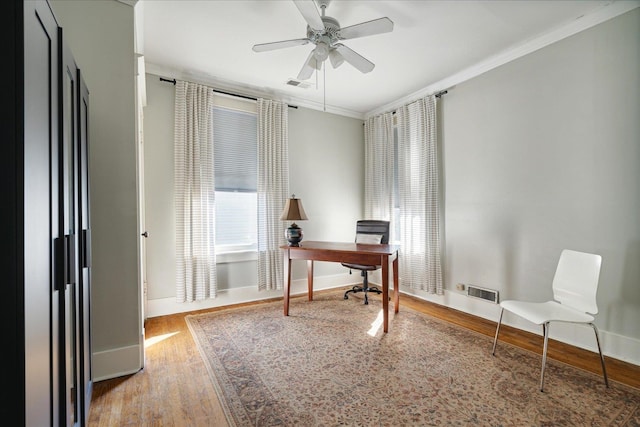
[323, 5]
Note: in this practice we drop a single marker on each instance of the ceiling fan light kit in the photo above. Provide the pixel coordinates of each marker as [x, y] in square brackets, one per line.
[325, 33]
[321, 52]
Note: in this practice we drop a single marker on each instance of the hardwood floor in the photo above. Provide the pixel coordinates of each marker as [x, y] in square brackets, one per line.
[174, 388]
[617, 370]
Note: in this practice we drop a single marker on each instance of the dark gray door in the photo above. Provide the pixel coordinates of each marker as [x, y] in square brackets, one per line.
[70, 303]
[84, 279]
[41, 234]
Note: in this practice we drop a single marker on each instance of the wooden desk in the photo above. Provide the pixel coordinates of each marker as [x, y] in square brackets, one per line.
[354, 253]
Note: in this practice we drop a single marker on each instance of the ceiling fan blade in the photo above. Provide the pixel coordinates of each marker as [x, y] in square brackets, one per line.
[336, 58]
[310, 13]
[263, 47]
[369, 28]
[310, 65]
[355, 59]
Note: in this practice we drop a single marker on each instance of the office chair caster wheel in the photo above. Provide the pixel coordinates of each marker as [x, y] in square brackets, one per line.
[345, 297]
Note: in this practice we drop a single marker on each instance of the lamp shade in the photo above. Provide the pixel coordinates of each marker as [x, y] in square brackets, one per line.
[293, 210]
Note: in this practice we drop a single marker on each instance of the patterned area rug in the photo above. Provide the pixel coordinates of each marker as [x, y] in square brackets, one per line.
[329, 364]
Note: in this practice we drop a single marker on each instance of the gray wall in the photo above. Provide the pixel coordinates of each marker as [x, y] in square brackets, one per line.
[543, 154]
[326, 172]
[101, 36]
[539, 154]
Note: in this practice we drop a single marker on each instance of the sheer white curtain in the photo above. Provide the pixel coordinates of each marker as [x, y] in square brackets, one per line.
[194, 193]
[419, 196]
[379, 165]
[273, 190]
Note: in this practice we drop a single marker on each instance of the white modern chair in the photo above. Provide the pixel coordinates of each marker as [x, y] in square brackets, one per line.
[574, 292]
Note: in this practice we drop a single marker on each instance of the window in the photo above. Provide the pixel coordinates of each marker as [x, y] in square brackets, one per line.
[235, 142]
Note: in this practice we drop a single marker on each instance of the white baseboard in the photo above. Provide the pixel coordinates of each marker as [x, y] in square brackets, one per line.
[165, 306]
[613, 345]
[116, 362]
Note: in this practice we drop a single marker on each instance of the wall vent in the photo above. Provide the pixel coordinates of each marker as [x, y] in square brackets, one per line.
[298, 83]
[483, 293]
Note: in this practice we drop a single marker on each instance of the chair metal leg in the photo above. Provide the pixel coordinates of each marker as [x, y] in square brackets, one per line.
[354, 290]
[495, 340]
[366, 289]
[363, 288]
[604, 370]
[545, 331]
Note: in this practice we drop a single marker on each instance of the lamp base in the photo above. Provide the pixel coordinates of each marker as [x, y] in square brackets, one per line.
[293, 235]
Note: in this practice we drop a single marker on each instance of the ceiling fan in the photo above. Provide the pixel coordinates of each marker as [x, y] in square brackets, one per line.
[325, 33]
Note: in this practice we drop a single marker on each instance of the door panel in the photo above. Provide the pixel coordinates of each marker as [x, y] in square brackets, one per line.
[70, 211]
[84, 279]
[41, 225]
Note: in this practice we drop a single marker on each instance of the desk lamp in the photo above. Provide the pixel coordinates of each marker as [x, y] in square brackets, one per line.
[293, 211]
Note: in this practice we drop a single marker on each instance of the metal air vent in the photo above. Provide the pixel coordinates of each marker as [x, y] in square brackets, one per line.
[490, 295]
[298, 83]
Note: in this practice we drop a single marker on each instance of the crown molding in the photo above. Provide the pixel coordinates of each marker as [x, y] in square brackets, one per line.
[246, 90]
[131, 3]
[605, 13]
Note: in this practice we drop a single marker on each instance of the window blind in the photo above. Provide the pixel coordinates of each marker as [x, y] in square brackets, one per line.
[235, 142]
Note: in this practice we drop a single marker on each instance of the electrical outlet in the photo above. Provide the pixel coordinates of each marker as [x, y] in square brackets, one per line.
[460, 286]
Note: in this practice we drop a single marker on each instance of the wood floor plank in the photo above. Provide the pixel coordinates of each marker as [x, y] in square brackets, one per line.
[174, 388]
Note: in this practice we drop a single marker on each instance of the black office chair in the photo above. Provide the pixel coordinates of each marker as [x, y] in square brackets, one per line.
[368, 231]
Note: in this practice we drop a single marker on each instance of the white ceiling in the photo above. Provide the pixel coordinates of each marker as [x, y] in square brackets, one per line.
[434, 45]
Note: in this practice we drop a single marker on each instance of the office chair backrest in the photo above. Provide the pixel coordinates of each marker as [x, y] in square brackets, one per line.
[371, 228]
[576, 280]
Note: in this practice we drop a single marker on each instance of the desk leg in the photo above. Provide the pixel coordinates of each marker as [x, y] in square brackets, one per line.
[287, 281]
[396, 285]
[385, 292]
[310, 279]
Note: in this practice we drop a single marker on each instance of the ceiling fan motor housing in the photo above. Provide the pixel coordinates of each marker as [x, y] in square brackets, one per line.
[331, 29]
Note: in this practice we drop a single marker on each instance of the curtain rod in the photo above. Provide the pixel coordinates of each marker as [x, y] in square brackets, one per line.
[437, 95]
[173, 82]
